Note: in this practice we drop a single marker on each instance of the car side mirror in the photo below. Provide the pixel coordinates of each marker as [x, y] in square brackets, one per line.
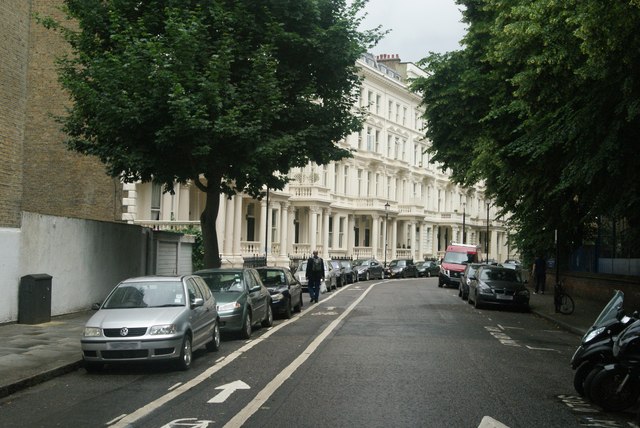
[96, 306]
[473, 277]
[197, 302]
[256, 288]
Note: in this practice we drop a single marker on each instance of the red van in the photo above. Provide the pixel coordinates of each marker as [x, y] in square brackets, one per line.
[455, 261]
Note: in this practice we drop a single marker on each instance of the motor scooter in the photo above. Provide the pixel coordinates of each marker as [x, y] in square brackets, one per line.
[616, 386]
[596, 347]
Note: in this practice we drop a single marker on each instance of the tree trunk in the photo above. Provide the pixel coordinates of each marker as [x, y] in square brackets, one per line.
[208, 224]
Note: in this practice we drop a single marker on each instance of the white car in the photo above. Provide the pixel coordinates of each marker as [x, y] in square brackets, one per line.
[329, 283]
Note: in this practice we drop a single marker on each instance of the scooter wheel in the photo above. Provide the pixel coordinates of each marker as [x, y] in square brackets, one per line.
[580, 375]
[588, 380]
[607, 389]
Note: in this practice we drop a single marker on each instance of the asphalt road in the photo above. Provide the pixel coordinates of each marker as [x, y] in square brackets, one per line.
[397, 353]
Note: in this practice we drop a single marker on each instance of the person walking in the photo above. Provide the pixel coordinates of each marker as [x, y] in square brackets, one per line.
[539, 273]
[315, 273]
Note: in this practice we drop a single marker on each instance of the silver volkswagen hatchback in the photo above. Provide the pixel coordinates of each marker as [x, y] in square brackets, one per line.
[152, 318]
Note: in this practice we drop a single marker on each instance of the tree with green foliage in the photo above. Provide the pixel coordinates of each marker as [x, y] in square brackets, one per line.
[227, 94]
[542, 103]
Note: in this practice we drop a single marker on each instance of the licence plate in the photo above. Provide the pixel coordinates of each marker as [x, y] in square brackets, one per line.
[504, 297]
[123, 345]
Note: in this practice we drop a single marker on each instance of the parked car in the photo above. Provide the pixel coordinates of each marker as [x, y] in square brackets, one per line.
[494, 285]
[349, 271]
[427, 268]
[329, 283]
[368, 269]
[152, 318]
[465, 279]
[341, 276]
[511, 264]
[242, 299]
[401, 268]
[285, 289]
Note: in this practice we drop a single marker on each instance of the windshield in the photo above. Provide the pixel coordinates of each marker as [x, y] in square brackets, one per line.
[272, 278]
[302, 267]
[146, 295]
[611, 311]
[345, 264]
[224, 281]
[361, 263]
[500, 275]
[458, 258]
[395, 263]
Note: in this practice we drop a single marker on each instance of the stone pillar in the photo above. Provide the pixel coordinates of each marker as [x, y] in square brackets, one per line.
[313, 228]
[284, 229]
[263, 225]
[228, 228]
[336, 231]
[375, 232]
[221, 222]
[414, 241]
[325, 233]
[237, 225]
[393, 244]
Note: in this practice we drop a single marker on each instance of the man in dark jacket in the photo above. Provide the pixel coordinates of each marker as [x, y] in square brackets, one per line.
[539, 273]
[315, 273]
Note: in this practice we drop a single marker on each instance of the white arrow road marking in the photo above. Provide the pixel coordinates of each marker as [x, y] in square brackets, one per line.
[533, 348]
[489, 422]
[127, 421]
[227, 390]
[241, 417]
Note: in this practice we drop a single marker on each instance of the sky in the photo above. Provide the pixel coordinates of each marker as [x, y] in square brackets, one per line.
[417, 27]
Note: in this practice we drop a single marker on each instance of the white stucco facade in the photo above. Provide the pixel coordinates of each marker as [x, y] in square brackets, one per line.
[386, 201]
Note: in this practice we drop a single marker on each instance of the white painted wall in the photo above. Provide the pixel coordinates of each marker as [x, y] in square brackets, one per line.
[9, 273]
[85, 258]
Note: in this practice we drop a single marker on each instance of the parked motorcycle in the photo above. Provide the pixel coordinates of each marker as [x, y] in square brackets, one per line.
[616, 386]
[596, 347]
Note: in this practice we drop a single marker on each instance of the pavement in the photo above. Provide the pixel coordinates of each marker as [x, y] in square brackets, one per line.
[33, 353]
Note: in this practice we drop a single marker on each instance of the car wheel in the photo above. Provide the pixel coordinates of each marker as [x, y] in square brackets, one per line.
[268, 319]
[439, 283]
[245, 333]
[614, 390]
[460, 292]
[366, 276]
[298, 307]
[476, 302]
[214, 345]
[428, 274]
[288, 310]
[186, 355]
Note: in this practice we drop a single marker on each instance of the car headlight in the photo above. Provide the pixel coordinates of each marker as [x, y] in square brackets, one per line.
[485, 289]
[92, 332]
[229, 306]
[592, 334]
[446, 272]
[163, 329]
[277, 297]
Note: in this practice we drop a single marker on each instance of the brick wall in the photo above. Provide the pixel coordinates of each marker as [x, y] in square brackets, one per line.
[55, 180]
[14, 32]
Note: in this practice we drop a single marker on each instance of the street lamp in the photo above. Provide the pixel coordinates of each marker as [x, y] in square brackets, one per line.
[386, 230]
[464, 216]
[486, 243]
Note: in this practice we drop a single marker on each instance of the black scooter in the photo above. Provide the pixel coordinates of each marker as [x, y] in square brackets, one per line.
[596, 347]
[616, 386]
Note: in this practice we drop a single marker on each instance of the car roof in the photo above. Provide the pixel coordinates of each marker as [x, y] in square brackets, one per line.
[157, 278]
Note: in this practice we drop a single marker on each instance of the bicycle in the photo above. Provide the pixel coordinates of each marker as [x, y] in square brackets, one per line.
[562, 301]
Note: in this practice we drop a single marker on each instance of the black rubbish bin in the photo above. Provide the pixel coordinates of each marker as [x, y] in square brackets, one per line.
[34, 299]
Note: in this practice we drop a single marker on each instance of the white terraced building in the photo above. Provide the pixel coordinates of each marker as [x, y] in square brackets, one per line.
[386, 202]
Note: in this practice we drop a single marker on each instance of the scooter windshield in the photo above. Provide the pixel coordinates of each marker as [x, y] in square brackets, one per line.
[612, 311]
